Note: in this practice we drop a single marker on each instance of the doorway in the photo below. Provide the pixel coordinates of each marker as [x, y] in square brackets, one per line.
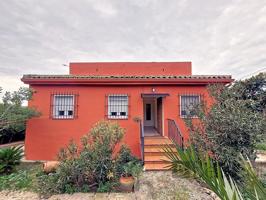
[152, 111]
[149, 113]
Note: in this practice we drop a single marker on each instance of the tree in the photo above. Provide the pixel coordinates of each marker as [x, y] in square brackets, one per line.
[252, 90]
[13, 114]
[232, 126]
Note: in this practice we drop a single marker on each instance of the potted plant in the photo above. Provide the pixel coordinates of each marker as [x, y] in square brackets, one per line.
[130, 173]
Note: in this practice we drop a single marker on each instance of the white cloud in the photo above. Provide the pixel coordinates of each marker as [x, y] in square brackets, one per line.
[219, 37]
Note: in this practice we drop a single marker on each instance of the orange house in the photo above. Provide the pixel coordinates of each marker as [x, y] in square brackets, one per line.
[158, 93]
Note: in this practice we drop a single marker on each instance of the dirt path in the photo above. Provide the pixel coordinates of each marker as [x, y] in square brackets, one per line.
[152, 186]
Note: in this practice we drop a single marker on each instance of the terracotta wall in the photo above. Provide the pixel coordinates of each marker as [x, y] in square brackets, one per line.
[45, 136]
[128, 68]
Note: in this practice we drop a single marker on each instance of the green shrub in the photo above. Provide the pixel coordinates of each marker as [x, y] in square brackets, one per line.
[14, 181]
[261, 146]
[22, 179]
[124, 156]
[106, 187]
[12, 114]
[132, 169]
[227, 129]
[90, 167]
[9, 158]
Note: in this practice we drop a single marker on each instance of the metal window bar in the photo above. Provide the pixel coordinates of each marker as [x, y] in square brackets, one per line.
[186, 103]
[117, 106]
[64, 105]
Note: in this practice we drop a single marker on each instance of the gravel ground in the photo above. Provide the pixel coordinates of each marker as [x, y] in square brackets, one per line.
[152, 186]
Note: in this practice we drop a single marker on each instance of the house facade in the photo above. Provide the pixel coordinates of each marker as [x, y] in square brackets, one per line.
[158, 93]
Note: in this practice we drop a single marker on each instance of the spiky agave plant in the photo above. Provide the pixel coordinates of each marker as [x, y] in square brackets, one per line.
[204, 168]
[9, 158]
[254, 188]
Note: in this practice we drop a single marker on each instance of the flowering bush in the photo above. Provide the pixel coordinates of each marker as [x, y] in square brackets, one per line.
[91, 167]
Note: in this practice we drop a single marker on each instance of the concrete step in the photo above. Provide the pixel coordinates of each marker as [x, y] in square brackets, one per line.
[154, 153]
[156, 158]
[156, 166]
[156, 141]
[155, 148]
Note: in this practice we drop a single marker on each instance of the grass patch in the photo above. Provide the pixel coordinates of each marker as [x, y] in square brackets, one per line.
[261, 146]
[24, 178]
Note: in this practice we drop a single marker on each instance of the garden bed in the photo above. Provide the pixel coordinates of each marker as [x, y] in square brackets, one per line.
[151, 185]
[24, 178]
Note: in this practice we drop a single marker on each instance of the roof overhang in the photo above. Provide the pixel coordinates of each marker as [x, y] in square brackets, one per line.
[154, 95]
[125, 81]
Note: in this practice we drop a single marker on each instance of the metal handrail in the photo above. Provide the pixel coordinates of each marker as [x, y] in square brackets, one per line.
[142, 141]
[174, 133]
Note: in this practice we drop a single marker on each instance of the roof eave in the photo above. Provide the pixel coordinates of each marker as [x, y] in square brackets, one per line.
[124, 81]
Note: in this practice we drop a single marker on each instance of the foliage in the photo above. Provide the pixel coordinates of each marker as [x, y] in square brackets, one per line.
[261, 146]
[9, 158]
[23, 179]
[12, 113]
[106, 187]
[101, 143]
[132, 169]
[253, 186]
[90, 167]
[252, 91]
[211, 173]
[124, 156]
[202, 167]
[18, 180]
[227, 129]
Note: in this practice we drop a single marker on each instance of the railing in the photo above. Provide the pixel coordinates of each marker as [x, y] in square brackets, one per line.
[174, 133]
[142, 140]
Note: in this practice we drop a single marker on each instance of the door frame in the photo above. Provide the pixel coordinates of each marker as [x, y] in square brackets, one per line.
[153, 121]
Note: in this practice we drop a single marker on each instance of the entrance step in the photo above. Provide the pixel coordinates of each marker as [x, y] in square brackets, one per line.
[156, 166]
[154, 156]
[156, 148]
[157, 141]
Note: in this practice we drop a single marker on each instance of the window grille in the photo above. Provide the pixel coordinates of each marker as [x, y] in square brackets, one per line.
[63, 106]
[117, 106]
[188, 103]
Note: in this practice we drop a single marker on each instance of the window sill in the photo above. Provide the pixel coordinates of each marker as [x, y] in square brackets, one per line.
[186, 117]
[117, 118]
[67, 118]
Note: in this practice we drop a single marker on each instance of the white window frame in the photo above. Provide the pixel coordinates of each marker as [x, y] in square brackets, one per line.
[109, 116]
[180, 107]
[54, 109]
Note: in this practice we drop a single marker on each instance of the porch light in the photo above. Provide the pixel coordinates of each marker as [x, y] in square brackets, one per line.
[153, 89]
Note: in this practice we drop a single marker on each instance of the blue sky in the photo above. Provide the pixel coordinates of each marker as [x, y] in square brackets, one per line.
[219, 37]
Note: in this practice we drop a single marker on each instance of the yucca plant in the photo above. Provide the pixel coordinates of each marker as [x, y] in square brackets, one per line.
[203, 167]
[9, 158]
[254, 187]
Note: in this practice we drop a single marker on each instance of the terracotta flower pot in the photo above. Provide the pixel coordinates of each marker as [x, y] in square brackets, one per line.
[50, 166]
[127, 183]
